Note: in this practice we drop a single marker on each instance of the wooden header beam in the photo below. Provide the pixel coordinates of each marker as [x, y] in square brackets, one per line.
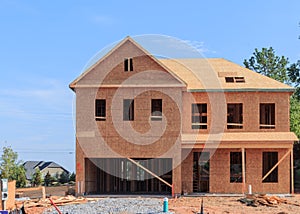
[247, 145]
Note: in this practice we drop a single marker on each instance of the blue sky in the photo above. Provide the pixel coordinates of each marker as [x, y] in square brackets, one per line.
[44, 45]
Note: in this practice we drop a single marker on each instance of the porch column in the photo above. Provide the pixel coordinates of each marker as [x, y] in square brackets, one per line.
[243, 170]
[292, 172]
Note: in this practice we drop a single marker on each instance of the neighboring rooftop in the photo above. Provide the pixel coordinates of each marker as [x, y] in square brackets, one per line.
[31, 166]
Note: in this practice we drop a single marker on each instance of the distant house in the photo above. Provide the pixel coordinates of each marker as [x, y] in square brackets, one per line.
[44, 167]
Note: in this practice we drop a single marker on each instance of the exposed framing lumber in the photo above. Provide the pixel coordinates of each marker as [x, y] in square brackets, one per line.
[238, 145]
[274, 167]
[151, 173]
[292, 172]
[243, 169]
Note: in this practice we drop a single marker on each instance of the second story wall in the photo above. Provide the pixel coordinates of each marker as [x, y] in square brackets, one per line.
[115, 99]
[252, 107]
[137, 132]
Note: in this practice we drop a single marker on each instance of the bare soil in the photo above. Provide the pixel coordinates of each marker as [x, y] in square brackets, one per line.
[220, 205]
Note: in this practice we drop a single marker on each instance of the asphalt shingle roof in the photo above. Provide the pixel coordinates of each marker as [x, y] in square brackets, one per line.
[31, 166]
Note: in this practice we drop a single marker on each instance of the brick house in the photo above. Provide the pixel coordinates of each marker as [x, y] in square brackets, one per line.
[152, 125]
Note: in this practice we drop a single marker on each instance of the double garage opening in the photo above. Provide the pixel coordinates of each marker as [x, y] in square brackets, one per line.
[122, 176]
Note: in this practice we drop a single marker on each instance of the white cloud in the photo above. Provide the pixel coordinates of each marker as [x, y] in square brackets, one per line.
[171, 47]
[199, 46]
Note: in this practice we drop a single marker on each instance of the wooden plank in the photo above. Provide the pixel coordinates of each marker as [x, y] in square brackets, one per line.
[29, 189]
[243, 170]
[43, 193]
[274, 167]
[292, 172]
[151, 173]
[247, 145]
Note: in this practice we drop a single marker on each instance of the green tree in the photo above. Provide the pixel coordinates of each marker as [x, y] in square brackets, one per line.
[11, 168]
[72, 177]
[295, 115]
[64, 177]
[48, 179]
[267, 63]
[294, 76]
[20, 176]
[37, 178]
[8, 163]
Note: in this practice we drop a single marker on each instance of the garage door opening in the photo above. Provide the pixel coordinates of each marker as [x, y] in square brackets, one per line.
[121, 176]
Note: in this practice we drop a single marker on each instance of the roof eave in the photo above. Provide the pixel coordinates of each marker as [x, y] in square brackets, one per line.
[290, 90]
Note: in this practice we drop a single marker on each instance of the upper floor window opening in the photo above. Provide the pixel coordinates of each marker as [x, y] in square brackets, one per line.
[100, 109]
[267, 116]
[128, 109]
[128, 64]
[235, 116]
[156, 109]
[199, 116]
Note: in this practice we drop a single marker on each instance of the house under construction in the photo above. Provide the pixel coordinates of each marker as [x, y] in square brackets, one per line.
[152, 125]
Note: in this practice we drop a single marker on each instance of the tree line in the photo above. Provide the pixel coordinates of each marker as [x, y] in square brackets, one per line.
[13, 169]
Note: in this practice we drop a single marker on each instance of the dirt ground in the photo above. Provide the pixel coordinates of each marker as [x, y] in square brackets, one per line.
[220, 205]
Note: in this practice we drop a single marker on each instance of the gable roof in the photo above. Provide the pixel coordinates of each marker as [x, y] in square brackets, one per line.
[202, 74]
[50, 164]
[31, 166]
[127, 39]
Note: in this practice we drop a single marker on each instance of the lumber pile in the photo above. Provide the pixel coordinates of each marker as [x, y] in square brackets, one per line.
[264, 200]
[59, 201]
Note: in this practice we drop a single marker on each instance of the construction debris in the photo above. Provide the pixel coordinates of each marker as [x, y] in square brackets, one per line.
[46, 203]
[264, 200]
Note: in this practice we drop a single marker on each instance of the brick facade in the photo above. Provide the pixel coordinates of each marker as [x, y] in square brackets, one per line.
[143, 138]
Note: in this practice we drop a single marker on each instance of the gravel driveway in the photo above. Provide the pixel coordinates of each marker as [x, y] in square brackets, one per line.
[115, 206]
